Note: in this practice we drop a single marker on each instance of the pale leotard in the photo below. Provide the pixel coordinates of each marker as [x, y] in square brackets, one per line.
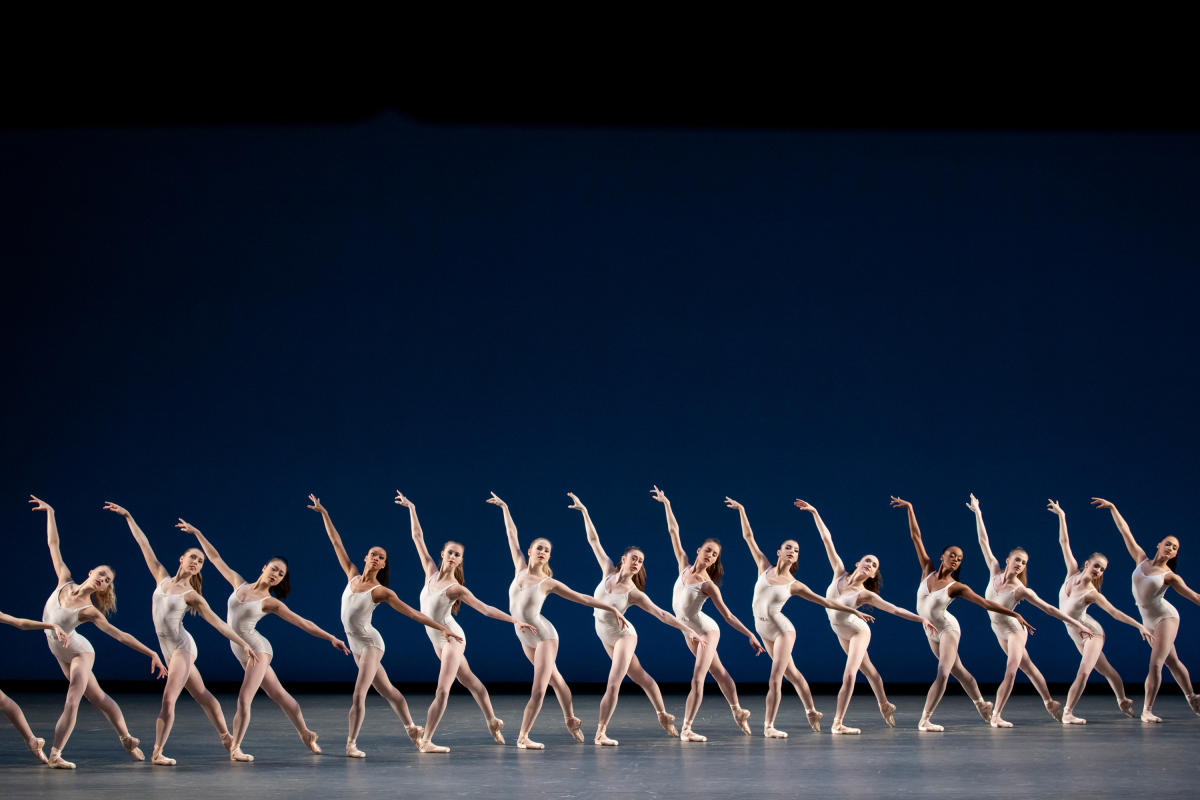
[767, 605]
[525, 604]
[243, 617]
[843, 624]
[436, 605]
[607, 627]
[68, 620]
[686, 602]
[932, 606]
[167, 610]
[1002, 625]
[1075, 607]
[1148, 591]
[357, 608]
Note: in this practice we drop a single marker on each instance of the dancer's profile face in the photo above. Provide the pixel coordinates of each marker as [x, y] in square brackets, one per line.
[274, 571]
[868, 565]
[539, 551]
[708, 554]
[192, 561]
[952, 557]
[1168, 548]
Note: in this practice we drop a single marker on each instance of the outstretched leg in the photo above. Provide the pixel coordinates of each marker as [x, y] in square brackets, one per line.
[179, 667]
[1053, 707]
[946, 650]
[451, 655]
[971, 687]
[383, 685]
[1090, 652]
[856, 651]
[729, 689]
[291, 709]
[241, 719]
[542, 658]
[1118, 686]
[13, 711]
[1162, 647]
[704, 657]
[112, 712]
[209, 704]
[1014, 647]
[638, 675]
[622, 655]
[875, 680]
[482, 699]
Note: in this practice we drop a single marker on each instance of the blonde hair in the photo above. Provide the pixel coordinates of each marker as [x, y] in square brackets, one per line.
[549, 572]
[458, 576]
[1022, 576]
[106, 601]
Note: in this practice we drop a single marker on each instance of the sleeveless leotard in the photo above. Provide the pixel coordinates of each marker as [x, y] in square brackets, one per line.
[933, 607]
[437, 606]
[606, 624]
[357, 608]
[243, 617]
[1003, 625]
[1076, 608]
[167, 610]
[525, 604]
[686, 602]
[767, 605]
[1148, 591]
[68, 620]
[843, 624]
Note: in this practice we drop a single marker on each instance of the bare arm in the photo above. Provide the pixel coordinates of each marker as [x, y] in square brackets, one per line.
[835, 561]
[672, 528]
[510, 530]
[418, 535]
[382, 594]
[562, 590]
[214, 558]
[1135, 551]
[756, 552]
[275, 606]
[801, 590]
[965, 592]
[1121, 616]
[871, 599]
[33, 625]
[1176, 582]
[152, 563]
[465, 595]
[1064, 541]
[1032, 597]
[60, 568]
[712, 590]
[981, 531]
[914, 530]
[335, 539]
[194, 600]
[94, 616]
[593, 537]
[643, 602]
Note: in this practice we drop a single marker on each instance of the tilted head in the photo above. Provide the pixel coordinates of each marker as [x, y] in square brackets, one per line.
[1168, 549]
[868, 566]
[708, 559]
[190, 564]
[452, 557]
[377, 561]
[788, 555]
[277, 577]
[539, 556]
[1094, 568]
[1016, 563]
[633, 565]
[952, 559]
[100, 583]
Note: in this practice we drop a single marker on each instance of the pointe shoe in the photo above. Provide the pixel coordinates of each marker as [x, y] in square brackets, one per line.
[575, 728]
[888, 711]
[1054, 709]
[997, 722]
[236, 754]
[35, 746]
[740, 717]
[430, 747]
[415, 732]
[227, 740]
[130, 743]
[56, 761]
[1194, 703]
[310, 741]
[604, 739]
[494, 727]
[529, 744]
[1126, 707]
[928, 726]
[161, 760]
[687, 735]
[844, 730]
[814, 719]
[352, 751]
[1070, 719]
[668, 723]
[984, 708]
[1148, 716]
[771, 732]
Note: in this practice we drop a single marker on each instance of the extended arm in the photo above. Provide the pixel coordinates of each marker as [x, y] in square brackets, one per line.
[418, 535]
[712, 590]
[756, 552]
[464, 594]
[1175, 582]
[672, 528]
[1032, 597]
[643, 602]
[593, 537]
[335, 539]
[194, 600]
[981, 531]
[156, 665]
[1135, 552]
[60, 568]
[801, 590]
[152, 563]
[1121, 616]
[510, 530]
[1064, 541]
[33, 625]
[966, 593]
[914, 531]
[382, 594]
[872, 599]
[214, 558]
[562, 590]
[835, 561]
[274, 606]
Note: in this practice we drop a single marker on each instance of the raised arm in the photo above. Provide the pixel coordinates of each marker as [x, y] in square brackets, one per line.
[382, 594]
[801, 590]
[1029, 595]
[152, 563]
[214, 558]
[672, 528]
[713, 591]
[195, 601]
[94, 616]
[1121, 616]
[642, 601]
[965, 592]
[985, 545]
[593, 537]
[33, 625]
[756, 552]
[1176, 582]
[276, 606]
[510, 530]
[60, 568]
[335, 539]
[464, 594]
[914, 530]
[418, 535]
[1135, 552]
[1064, 541]
[835, 561]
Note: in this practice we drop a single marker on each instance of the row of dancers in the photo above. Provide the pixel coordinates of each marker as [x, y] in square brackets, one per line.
[622, 585]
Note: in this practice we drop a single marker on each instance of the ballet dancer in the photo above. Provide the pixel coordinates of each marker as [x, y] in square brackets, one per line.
[854, 589]
[247, 604]
[532, 581]
[9, 706]
[1151, 577]
[441, 596]
[697, 582]
[69, 606]
[1080, 589]
[364, 590]
[172, 597]
[932, 603]
[775, 584]
[1007, 587]
[621, 585]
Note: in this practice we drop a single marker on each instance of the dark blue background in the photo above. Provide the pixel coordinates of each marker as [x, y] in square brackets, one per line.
[212, 322]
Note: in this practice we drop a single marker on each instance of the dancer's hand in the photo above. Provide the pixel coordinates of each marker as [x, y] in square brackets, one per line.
[695, 638]
[900, 503]
[449, 634]
[252, 658]
[116, 509]
[401, 500]
[864, 617]
[187, 527]
[974, 504]
[316, 504]
[734, 504]
[1084, 630]
[802, 505]
[1100, 502]
[61, 635]
[659, 496]
[757, 645]
[1026, 625]
[575, 504]
[525, 626]
[1147, 634]
[496, 501]
[40, 505]
[156, 665]
[929, 627]
[624, 623]
[1054, 508]
[338, 644]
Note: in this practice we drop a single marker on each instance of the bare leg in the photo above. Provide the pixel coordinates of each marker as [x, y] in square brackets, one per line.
[241, 719]
[78, 671]
[959, 671]
[875, 680]
[1164, 643]
[112, 712]
[383, 685]
[209, 704]
[704, 657]
[291, 709]
[946, 650]
[1014, 648]
[563, 694]
[1053, 707]
[1118, 686]
[638, 675]
[451, 655]
[368, 664]
[482, 699]
[622, 655]
[729, 689]
[179, 667]
[774, 688]
[17, 718]
[856, 651]
[543, 669]
[1091, 654]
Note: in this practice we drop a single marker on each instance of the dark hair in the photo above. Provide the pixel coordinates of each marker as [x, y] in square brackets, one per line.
[874, 583]
[715, 571]
[639, 579]
[1095, 556]
[458, 575]
[1023, 575]
[284, 587]
[795, 565]
[1173, 563]
[955, 573]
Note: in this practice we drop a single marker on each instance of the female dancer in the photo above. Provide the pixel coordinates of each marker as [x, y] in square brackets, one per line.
[932, 602]
[696, 583]
[249, 603]
[526, 594]
[171, 598]
[1080, 589]
[69, 606]
[854, 589]
[365, 590]
[621, 585]
[9, 706]
[1007, 587]
[775, 584]
[1151, 577]
[441, 597]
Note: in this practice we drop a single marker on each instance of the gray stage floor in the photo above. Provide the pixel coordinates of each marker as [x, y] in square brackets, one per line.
[1111, 756]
